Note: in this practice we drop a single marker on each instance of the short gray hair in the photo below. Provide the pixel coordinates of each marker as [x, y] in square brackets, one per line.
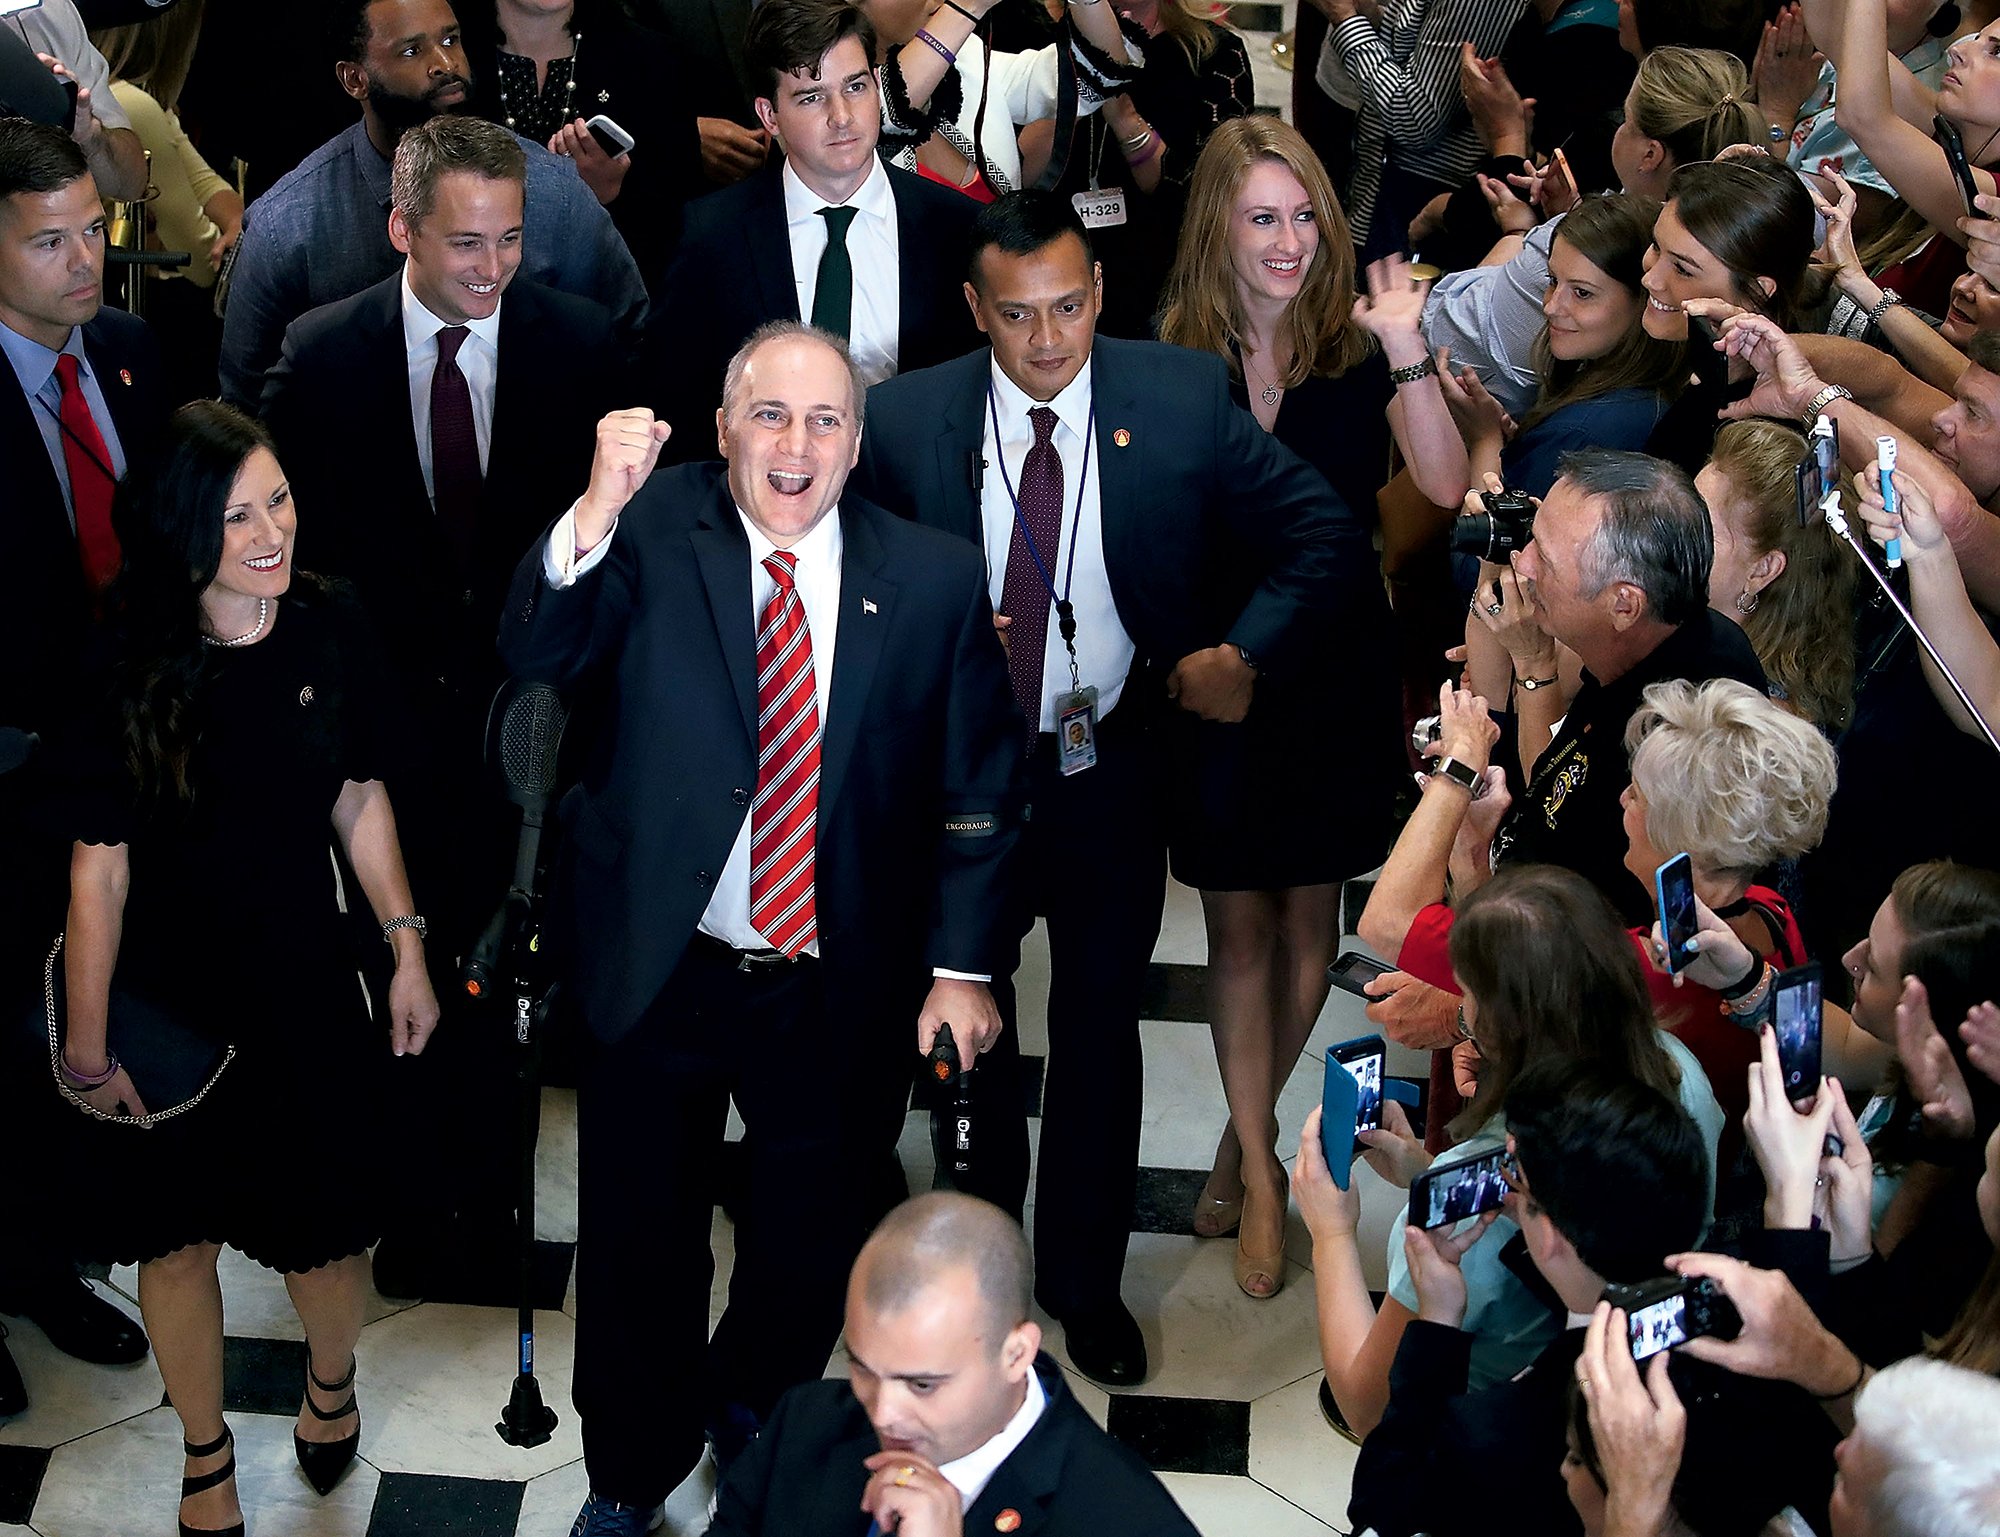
[1931, 1425]
[930, 1234]
[433, 149]
[1653, 531]
[1731, 777]
[793, 330]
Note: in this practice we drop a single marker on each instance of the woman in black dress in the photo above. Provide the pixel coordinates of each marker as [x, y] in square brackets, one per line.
[1269, 816]
[240, 747]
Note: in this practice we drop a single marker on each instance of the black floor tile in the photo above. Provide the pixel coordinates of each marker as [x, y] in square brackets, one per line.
[1033, 1070]
[1175, 992]
[263, 1376]
[1247, 16]
[1164, 1201]
[489, 1279]
[1183, 1435]
[21, 1469]
[423, 1505]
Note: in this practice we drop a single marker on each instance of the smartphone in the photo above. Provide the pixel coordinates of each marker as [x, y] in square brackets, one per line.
[1363, 1059]
[1961, 168]
[1561, 163]
[1796, 1018]
[1673, 887]
[1709, 366]
[1452, 1191]
[1351, 1101]
[610, 137]
[1673, 1310]
[1353, 971]
[1818, 469]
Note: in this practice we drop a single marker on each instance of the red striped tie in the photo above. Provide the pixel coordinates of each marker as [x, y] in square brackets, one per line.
[781, 818]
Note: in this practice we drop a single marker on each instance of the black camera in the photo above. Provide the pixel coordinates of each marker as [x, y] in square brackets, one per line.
[1673, 1310]
[1506, 525]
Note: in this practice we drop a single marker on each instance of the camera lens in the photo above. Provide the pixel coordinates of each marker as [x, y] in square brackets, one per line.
[1425, 732]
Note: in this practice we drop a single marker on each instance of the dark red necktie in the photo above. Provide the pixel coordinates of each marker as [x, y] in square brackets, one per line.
[782, 816]
[1024, 594]
[91, 482]
[455, 474]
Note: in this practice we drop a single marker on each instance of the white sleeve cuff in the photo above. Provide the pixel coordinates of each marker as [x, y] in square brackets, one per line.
[561, 565]
[946, 974]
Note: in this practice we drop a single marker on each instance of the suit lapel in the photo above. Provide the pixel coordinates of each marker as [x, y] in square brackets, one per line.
[913, 317]
[1115, 398]
[960, 444]
[770, 245]
[120, 389]
[867, 608]
[722, 551]
[513, 425]
[1027, 1481]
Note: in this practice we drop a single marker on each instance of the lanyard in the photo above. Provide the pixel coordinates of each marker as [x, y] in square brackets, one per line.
[1065, 610]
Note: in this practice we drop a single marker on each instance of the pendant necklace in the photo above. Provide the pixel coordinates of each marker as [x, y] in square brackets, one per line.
[569, 86]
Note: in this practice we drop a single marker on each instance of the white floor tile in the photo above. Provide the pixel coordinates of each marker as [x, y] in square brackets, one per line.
[1296, 1454]
[1236, 1507]
[69, 1398]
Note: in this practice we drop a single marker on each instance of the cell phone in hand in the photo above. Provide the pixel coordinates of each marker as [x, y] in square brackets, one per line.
[612, 139]
[1561, 163]
[1351, 1101]
[1710, 367]
[1459, 1188]
[1353, 971]
[1363, 1059]
[1673, 1310]
[1673, 888]
[1796, 1018]
[1961, 168]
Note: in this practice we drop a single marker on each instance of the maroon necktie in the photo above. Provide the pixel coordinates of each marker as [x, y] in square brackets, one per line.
[455, 474]
[1024, 595]
[783, 815]
[90, 482]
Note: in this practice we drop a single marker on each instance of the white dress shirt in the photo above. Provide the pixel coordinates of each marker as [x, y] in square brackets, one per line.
[478, 359]
[874, 254]
[970, 1474]
[1103, 650]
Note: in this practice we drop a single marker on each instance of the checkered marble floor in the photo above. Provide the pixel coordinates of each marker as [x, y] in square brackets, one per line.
[1229, 1416]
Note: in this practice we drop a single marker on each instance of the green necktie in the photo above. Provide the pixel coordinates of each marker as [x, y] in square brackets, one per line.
[833, 292]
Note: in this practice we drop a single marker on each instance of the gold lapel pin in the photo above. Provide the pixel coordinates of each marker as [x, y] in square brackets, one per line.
[1122, 438]
[1009, 1520]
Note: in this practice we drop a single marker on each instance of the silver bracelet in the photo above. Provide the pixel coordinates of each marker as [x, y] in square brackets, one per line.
[407, 921]
[1882, 305]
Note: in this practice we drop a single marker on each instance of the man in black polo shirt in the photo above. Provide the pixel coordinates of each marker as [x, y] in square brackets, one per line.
[1618, 572]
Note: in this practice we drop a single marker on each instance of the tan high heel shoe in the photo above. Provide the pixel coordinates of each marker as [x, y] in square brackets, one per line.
[1267, 1269]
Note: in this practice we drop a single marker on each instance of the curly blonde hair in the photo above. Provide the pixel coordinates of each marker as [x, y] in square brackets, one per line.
[1730, 776]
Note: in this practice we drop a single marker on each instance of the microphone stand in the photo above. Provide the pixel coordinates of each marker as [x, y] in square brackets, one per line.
[1836, 520]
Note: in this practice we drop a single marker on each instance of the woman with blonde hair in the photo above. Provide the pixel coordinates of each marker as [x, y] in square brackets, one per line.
[1265, 822]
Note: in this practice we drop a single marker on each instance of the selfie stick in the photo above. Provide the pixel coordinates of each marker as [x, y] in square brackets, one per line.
[1836, 520]
[1885, 456]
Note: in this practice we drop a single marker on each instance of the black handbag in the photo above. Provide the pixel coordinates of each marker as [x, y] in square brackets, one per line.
[172, 1066]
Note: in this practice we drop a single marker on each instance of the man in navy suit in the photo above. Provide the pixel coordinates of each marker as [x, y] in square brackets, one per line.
[798, 818]
[832, 235]
[80, 402]
[1150, 483]
[951, 1420]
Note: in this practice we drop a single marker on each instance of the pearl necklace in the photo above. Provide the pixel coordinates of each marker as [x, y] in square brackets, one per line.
[569, 86]
[263, 617]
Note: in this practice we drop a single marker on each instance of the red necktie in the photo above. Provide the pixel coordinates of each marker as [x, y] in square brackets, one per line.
[1024, 594]
[456, 478]
[782, 816]
[91, 482]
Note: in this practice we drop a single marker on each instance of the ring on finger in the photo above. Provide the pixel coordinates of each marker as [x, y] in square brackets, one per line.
[903, 1478]
[1494, 608]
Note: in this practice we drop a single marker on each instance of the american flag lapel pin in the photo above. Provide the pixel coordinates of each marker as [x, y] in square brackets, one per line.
[868, 606]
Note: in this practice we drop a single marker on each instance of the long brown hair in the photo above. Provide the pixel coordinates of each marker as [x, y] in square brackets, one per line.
[1201, 308]
[1753, 215]
[1695, 102]
[154, 55]
[1611, 231]
[1556, 979]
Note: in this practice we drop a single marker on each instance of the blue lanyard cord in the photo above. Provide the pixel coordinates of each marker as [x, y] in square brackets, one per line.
[1065, 611]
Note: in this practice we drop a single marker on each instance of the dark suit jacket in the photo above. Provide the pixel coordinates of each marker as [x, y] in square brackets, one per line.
[1196, 485]
[920, 756]
[734, 273]
[338, 403]
[803, 1474]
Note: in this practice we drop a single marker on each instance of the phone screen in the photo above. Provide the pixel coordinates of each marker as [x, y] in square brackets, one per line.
[1353, 971]
[1451, 1192]
[1365, 1068]
[1658, 1326]
[1796, 1018]
[1674, 887]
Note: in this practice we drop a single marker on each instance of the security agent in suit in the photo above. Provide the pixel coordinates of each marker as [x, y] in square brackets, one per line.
[1158, 470]
[467, 400]
[950, 1420]
[80, 404]
[832, 235]
[756, 930]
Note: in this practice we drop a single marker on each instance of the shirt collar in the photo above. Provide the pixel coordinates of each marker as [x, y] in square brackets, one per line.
[874, 197]
[1072, 406]
[818, 553]
[420, 325]
[971, 1473]
[33, 363]
[369, 162]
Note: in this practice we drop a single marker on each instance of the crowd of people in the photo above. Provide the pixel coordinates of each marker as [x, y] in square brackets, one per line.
[957, 464]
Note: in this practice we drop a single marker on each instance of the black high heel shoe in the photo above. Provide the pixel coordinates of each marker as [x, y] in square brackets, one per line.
[205, 1481]
[325, 1462]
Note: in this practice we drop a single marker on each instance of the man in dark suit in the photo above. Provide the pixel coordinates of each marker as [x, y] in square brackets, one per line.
[1613, 1179]
[1106, 479]
[804, 802]
[466, 400]
[80, 402]
[950, 1419]
[832, 235]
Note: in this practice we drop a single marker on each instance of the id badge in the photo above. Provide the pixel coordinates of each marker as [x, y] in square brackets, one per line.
[1101, 208]
[1076, 731]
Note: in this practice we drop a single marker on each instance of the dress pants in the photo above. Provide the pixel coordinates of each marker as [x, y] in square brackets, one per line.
[1095, 861]
[651, 1114]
